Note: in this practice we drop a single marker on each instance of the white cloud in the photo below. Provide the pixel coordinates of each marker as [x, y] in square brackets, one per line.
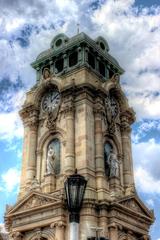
[2, 228]
[144, 128]
[11, 125]
[150, 202]
[132, 33]
[10, 180]
[133, 36]
[145, 182]
[146, 166]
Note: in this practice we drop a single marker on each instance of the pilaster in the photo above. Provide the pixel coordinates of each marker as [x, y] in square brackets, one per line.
[59, 230]
[127, 152]
[99, 149]
[113, 231]
[29, 115]
[69, 112]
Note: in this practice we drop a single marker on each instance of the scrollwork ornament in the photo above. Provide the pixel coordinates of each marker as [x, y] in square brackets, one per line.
[51, 121]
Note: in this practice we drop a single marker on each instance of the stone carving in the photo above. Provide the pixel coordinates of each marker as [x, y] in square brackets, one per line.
[35, 201]
[35, 185]
[46, 73]
[51, 160]
[113, 164]
[112, 113]
[131, 204]
[51, 121]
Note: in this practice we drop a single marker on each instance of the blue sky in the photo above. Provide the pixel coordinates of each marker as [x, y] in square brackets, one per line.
[132, 29]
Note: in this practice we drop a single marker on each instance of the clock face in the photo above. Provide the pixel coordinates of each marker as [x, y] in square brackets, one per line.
[50, 101]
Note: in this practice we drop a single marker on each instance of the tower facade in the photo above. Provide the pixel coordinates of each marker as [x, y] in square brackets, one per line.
[76, 116]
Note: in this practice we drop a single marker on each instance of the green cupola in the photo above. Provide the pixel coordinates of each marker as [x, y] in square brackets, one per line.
[66, 54]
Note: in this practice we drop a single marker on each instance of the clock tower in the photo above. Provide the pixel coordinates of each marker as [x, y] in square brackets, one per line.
[77, 116]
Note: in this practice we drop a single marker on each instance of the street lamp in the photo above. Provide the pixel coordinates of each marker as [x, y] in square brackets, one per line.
[75, 186]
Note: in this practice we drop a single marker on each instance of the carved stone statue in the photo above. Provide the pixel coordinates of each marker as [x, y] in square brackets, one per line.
[46, 73]
[51, 160]
[113, 164]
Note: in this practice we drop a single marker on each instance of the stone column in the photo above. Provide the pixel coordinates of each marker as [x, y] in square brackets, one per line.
[24, 162]
[79, 54]
[29, 115]
[103, 223]
[38, 74]
[113, 231]
[99, 145]
[65, 58]
[39, 164]
[127, 152]
[69, 162]
[32, 145]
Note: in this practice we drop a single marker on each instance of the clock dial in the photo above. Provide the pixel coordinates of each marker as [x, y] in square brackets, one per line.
[50, 101]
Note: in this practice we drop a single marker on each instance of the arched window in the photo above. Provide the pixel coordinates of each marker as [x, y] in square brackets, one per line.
[53, 157]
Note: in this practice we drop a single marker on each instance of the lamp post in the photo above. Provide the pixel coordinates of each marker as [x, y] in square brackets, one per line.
[75, 186]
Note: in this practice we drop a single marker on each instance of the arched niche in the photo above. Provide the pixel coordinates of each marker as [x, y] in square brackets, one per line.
[111, 160]
[113, 140]
[53, 157]
[43, 144]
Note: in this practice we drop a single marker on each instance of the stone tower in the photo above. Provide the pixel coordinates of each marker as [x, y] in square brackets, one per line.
[76, 116]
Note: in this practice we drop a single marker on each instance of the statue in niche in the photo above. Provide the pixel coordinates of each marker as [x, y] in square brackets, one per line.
[53, 157]
[113, 164]
[51, 160]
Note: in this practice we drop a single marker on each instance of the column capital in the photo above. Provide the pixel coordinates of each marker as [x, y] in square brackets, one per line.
[58, 224]
[29, 115]
[113, 225]
[16, 235]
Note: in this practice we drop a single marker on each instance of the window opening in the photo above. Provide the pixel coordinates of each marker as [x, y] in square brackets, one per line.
[73, 59]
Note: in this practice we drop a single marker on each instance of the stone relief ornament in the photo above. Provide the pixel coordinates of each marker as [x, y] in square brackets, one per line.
[51, 121]
[35, 201]
[112, 112]
[51, 160]
[46, 73]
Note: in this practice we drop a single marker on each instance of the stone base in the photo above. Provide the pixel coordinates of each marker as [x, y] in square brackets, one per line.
[49, 184]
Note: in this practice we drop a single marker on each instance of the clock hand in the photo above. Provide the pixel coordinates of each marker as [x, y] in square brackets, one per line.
[55, 97]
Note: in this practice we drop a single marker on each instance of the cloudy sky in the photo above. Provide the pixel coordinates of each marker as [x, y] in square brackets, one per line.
[132, 29]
